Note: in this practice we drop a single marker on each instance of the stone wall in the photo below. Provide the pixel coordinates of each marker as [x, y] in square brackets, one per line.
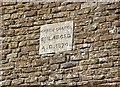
[93, 61]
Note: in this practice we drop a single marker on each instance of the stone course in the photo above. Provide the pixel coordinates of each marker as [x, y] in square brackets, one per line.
[93, 61]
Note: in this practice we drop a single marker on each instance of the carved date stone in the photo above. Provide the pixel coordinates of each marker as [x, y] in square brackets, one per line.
[57, 37]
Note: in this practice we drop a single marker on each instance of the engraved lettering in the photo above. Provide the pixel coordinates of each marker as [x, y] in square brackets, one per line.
[56, 37]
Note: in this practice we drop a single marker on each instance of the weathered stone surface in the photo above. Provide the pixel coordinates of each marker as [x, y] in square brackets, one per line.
[32, 42]
[61, 82]
[14, 16]
[5, 83]
[6, 16]
[112, 17]
[27, 24]
[100, 20]
[56, 60]
[92, 62]
[42, 78]
[22, 43]
[17, 81]
[12, 55]
[28, 70]
[43, 11]
[31, 80]
[106, 37]
[6, 51]
[116, 23]
[15, 26]
[85, 45]
[7, 67]
[30, 13]
[13, 45]
[54, 67]
[19, 6]
[88, 5]
[71, 7]
[39, 62]
[68, 65]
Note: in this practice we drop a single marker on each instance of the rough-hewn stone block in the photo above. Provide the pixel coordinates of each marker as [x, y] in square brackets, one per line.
[30, 13]
[56, 60]
[68, 65]
[6, 16]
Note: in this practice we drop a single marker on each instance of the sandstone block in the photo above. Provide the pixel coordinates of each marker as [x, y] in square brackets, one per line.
[15, 16]
[59, 82]
[114, 6]
[32, 53]
[47, 16]
[11, 32]
[17, 81]
[6, 16]
[29, 70]
[4, 46]
[95, 66]
[54, 67]
[27, 24]
[13, 45]
[39, 62]
[116, 36]
[88, 5]
[30, 13]
[100, 19]
[32, 42]
[6, 51]
[85, 45]
[5, 83]
[84, 11]
[106, 37]
[15, 26]
[107, 65]
[116, 23]
[7, 67]
[75, 58]
[19, 6]
[57, 60]
[12, 55]
[43, 11]
[78, 41]
[22, 43]
[45, 73]
[71, 7]
[67, 65]
[31, 79]
[112, 17]
[42, 78]
[55, 10]
[98, 77]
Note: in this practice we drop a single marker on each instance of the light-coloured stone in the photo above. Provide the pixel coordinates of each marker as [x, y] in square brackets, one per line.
[56, 37]
[5, 83]
[87, 5]
[12, 55]
[6, 16]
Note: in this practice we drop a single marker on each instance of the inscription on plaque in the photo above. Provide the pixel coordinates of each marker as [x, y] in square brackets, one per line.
[56, 37]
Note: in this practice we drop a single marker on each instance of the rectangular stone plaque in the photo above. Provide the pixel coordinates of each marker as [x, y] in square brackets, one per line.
[56, 37]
